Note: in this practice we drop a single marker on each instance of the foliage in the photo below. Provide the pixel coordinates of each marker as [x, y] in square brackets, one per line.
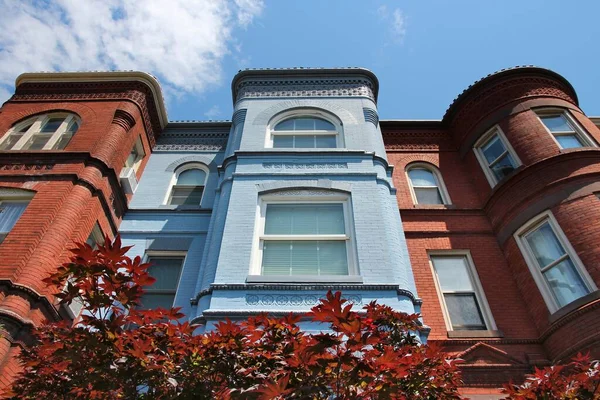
[117, 351]
[579, 380]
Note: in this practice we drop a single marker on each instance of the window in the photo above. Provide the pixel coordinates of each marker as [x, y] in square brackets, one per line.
[305, 238]
[562, 126]
[426, 185]
[496, 156]
[463, 301]
[136, 155]
[188, 187]
[43, 132]
[305, 132]
[555, 266]
[10, 212]
[96, 237]
[166, 269]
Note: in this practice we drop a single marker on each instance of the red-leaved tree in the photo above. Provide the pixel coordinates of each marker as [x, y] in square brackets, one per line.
[119, 352]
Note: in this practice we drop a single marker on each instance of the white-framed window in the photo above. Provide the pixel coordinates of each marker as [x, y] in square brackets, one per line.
[426, 184]
[188, 185]
[463, 302]
[496, 156]
[166, 269]
[565, 130]
[554, 264]
[136, 155]
[43, 132]
[11, 209]
[304, 130]
[307, 236]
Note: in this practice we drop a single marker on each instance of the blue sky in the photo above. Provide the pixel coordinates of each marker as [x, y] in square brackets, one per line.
[424, 52]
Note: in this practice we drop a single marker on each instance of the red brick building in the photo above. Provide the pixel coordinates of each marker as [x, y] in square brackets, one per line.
[528, 119]
[63, 187]
[510, 172]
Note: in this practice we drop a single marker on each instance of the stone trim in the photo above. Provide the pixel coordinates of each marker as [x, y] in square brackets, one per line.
[202, 159]
[327, 184]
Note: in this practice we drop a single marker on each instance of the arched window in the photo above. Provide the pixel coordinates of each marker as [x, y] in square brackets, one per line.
[42, 132]
[305, 132]
[426, 185]
[188, 187]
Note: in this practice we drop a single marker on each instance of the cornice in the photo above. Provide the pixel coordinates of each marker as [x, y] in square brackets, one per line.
[100, 86]
[304, 82]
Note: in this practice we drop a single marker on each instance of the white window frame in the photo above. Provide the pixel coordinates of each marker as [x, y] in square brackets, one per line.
[441, 186]
[484, 306]
[578, 130]
[175, 177]
[532, 264]
[166, 254]
[260, 237]
[141, 153]
[309, 113]
[483, 140]
[38, 123]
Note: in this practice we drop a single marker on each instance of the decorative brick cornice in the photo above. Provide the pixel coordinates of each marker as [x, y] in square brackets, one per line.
[136, 92]
[124, 119]
[487, 96]
[8, 286]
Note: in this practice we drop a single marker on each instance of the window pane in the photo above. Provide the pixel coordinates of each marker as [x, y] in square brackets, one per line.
[65, 138]
[428, 196]
[52, 125]
[421, 177]
[322, 125]
[151, 301]
[287, 125]
[10, 212]
[493, 149]
[73, 127]
[304, 219]
[165, 271]
[545, 245]
[283, 141]
[557, 123]
[326, 141]
[304, 141]
[304, 124]
[192, 177]
[300, 257]
[25, 128]
[10, 141]
[569, 141]
[565, 282]
[37, 142]
[186, 195]
[464, 311]
[503, 167]
[452, 272]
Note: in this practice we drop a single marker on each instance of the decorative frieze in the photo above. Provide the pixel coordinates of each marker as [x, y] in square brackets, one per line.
[290, 165]
[26, 167]
[309, 300]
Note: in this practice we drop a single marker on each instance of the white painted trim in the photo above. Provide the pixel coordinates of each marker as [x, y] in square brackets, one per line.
[305, 112]
[478, 289]
[273, 198]
[578, 130]
[102, 76]
[175, 176]
[139, 146]
[37, 122]
[533, 266]
[437, 175]
[484, 139]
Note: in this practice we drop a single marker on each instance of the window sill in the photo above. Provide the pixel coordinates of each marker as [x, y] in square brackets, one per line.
[325, 279]
[434, 206]
[175, 208]
[574, 305]
[474, 334]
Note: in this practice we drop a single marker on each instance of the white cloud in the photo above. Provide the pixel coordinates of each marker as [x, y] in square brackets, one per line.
[182, 42]
[395, 21]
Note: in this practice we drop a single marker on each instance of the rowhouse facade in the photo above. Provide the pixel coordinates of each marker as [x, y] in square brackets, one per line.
[484, 222]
